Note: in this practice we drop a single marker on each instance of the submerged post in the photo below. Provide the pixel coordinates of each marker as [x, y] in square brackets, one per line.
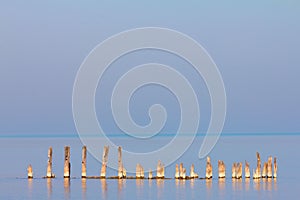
[221, 169]
[193, 174]
[160, 170]
[121, 169]
[208, 174]
[104, 161]
[233, 170]
[83, 162]
[257, 172]
[150, 174]
[239, 170]
[181, 170]
[139, 171]
[275, 168]
[176, 171]
[269, 167]
[247, 170]
[29, 172]
[67, 164]
[49, 173]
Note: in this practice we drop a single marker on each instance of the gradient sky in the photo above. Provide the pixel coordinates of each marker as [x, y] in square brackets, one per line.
[254, 44]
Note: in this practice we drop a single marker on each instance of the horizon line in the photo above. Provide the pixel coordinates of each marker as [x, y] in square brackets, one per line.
[124, 135]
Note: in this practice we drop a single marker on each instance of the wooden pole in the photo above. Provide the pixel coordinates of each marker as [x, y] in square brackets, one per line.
[150, 174]
[221, 169]
[29, 171]
[67, 164]
[49, 173]
[83, 162]
[239, 170]
[208, 174]
[177, 176]
[193, 174]
[104, 161]
[269, 167]
[247, 170]
[275, 168]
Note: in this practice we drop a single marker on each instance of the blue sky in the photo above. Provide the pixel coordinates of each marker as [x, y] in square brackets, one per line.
[254, 44]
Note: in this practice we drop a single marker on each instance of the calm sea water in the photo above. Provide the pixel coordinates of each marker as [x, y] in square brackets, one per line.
[17, 153]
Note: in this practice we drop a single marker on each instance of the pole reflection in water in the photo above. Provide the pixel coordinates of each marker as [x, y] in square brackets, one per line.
[67, 188]
[139, 183]
[150, 183]
[121, 184]
[237, 184]
[139, 187]
[30, 187]
[208, 184]
[247, 184]
[275, 184]
[83, 187]
[160, 188]
[221, 184]
[267, 184]
[104, 188]
[177, 183]
[192, 183]
[256, 183]
[49, 187]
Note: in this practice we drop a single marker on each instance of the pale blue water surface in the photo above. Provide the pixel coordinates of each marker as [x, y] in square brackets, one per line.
[17, 153]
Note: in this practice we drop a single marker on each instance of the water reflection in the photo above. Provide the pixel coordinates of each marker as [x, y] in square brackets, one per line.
[247, 184]
[237, 184]
[121, 184]
[49, 187]
[275, 184]
[208, 183]
[67, 188]
[139, 187]
[104, 188]
[139, 183]
[192, 183]
[160, 188]
[30, 187]
[221, 184]
[83, 188]
[256, 184]
[267, 184]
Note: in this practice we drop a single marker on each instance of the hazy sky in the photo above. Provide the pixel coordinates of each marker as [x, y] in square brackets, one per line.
[255, 45]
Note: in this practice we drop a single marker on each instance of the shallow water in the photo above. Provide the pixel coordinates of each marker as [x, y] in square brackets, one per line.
[17, 153]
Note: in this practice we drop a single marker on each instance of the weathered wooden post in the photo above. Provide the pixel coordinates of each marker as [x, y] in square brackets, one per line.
[264, 170]
[177, 175]
[247, 170]
[257, 172]
[29, 172]
[139, 171]
[121, 169]
[150, 174]
[160, 170]
[233, 170]
[275, 168]
[67, 164]
[221, 169]
[83, 162]
[181, 170]
[208, 174]
[104, 161]
[193, 174]
[49, 173]
[239, 170]
[269, 167]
